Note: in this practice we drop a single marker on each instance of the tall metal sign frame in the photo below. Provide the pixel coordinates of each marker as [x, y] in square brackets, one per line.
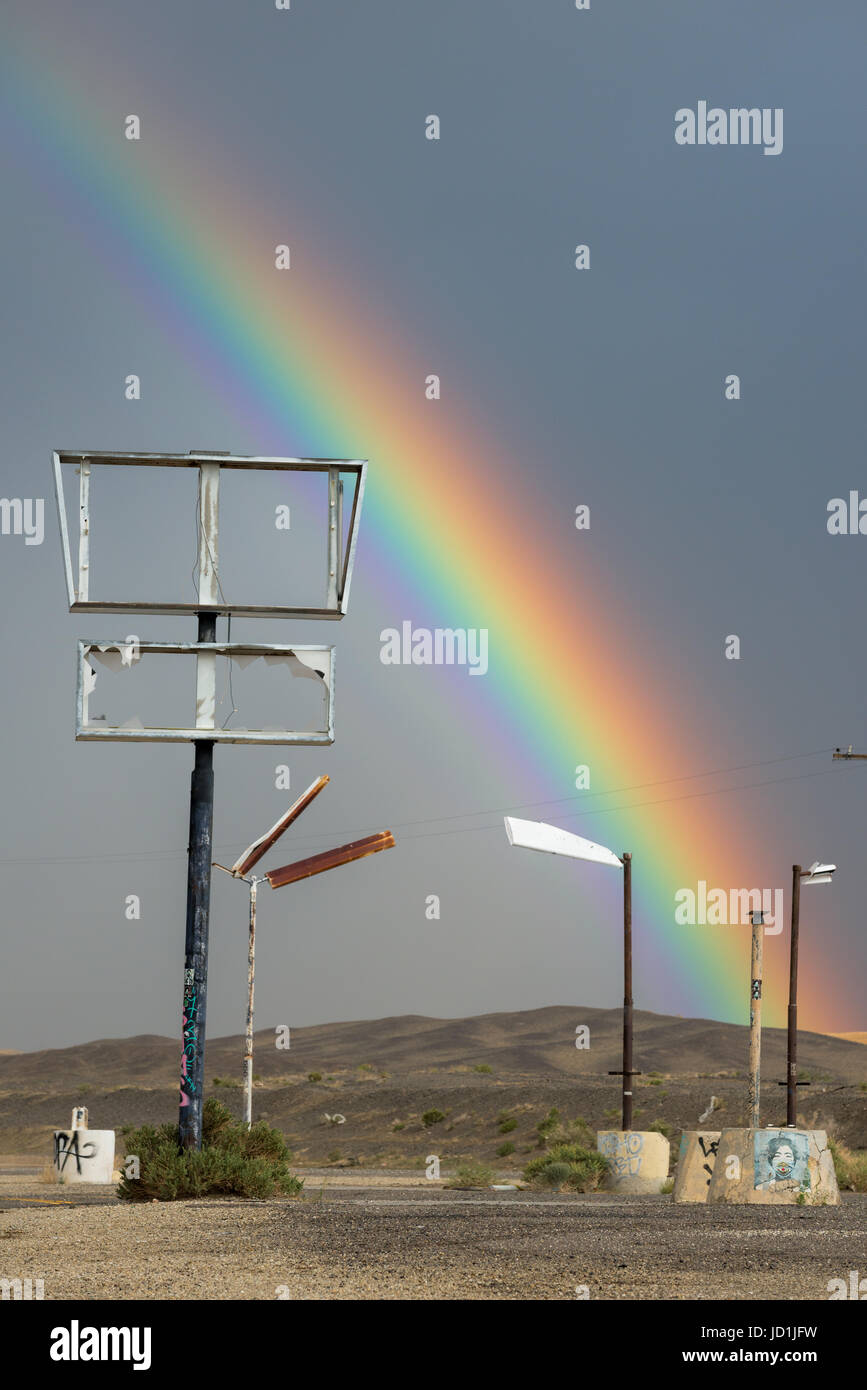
[209, 604]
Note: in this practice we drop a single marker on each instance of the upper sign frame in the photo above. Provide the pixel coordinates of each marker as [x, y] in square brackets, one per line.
[338, 568]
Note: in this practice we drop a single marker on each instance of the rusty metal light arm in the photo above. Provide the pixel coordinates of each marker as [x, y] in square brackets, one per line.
[330, 859]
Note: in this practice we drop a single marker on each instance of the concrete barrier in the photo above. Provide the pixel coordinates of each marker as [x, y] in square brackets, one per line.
[772, 1166]
[695, 1164]
[82, 1154]
[637, 1160]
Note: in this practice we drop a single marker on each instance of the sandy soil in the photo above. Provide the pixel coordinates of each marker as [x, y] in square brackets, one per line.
[385, 1242]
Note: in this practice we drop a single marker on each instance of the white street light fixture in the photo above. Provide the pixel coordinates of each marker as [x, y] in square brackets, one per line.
[819, 873]
[550, 839]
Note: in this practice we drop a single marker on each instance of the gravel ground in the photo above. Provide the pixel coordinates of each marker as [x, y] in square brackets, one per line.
[401, 1243]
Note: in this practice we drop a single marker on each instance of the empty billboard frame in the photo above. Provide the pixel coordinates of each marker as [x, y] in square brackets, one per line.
[313, 662]
[338, 559]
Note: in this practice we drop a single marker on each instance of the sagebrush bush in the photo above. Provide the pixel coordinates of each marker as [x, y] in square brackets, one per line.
[545, 1127]
[567, 1165]
[575, 1131]
[471, 1175]
[850, 1166]
[554, 1174]
[661, 1127]
[232, 1160]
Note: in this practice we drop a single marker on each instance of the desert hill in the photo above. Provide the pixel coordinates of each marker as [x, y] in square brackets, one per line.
[533, 1042]
[382, 1077]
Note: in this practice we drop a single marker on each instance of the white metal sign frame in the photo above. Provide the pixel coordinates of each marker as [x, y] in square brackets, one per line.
[316, 662]
[339, 561]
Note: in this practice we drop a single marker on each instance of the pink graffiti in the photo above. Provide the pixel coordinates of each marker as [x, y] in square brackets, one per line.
[185, 1100]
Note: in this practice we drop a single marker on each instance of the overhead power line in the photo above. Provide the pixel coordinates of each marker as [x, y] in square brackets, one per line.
[153, 856]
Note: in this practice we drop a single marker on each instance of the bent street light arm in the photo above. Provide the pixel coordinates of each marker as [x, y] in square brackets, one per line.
[330, 859]
[254, 852]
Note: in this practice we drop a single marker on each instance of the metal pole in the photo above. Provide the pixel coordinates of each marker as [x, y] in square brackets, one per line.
[627, 991]
[792, 1062]
[755, 1016]
[248, 1048]
[196, 941]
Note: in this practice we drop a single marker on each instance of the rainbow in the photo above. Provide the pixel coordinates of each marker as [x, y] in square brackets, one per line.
[309, 370]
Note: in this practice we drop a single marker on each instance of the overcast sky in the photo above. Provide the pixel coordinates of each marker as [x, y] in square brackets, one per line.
[558, 127]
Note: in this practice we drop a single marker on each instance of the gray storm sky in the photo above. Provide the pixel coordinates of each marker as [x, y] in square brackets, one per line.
[558, 128]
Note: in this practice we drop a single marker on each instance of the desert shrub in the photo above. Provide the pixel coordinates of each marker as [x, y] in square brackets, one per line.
[661, 1127]
[567, 1165]
[506, 1123]
[554, 1174]
[575, 1131]
[547, 1126]
[471, 1175]
[505, 1149]
[484, 1068]
[314, 1076]
[232, 1160]
[850, 1166]
[432, 1117]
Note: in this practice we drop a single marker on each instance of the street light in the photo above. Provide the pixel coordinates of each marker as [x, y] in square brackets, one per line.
[290, 873]
[549, 839]
[757, 921]
[817, 874]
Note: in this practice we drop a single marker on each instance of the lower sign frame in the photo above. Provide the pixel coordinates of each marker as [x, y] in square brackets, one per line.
[130, 649]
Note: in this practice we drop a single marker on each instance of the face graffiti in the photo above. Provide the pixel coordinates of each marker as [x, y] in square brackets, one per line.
[783, 1161]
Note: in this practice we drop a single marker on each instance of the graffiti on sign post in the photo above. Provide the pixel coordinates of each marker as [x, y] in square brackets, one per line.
[190, 1035]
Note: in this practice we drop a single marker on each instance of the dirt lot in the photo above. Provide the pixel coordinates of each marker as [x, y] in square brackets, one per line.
[374, 1241]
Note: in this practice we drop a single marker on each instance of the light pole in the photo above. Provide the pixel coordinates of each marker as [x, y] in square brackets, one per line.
[817, 873]
[549, 839]
[627, 993]
[248, 1035]
[278, 878]
[757, 919]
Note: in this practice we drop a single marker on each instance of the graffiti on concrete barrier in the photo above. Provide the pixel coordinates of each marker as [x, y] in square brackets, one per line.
[623, 1153]
[709, 1149]
[66, 1146]
[780, 1161]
